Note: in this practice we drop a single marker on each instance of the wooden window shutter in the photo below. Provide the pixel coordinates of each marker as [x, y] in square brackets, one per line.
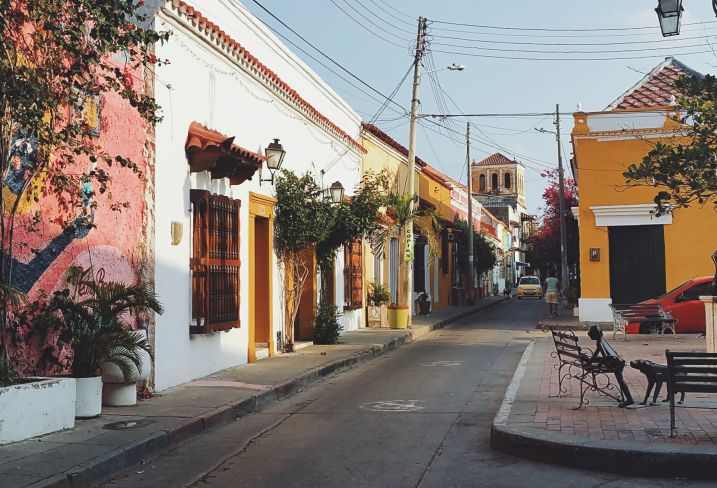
[215, 262]
[353, 275]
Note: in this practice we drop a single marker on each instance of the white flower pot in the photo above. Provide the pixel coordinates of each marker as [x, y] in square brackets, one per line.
[117, 392]
[36, 408]
[89, 397]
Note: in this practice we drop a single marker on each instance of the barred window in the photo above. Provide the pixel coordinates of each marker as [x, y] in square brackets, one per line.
[215, 262]
[353, 276]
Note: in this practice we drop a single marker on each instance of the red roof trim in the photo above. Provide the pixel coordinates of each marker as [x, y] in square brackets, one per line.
[202, 138]
[389, 141]
[223, 39]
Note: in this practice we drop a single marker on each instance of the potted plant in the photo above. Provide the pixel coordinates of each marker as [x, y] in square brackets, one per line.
[378, 298]
[94, 318]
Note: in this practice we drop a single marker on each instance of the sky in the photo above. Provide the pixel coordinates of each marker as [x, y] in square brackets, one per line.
[380, 53]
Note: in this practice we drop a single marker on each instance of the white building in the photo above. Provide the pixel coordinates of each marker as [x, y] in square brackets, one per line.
[215, 273]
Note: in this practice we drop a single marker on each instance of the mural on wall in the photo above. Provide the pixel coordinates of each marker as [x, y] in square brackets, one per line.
[43, 249]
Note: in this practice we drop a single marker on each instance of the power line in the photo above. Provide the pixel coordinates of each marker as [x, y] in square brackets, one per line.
[549, 29]
[582, 34]
[395, 10]
[533, 43]
[525, 58]
[366, 28]
[339, 65]
[382, 19]
[553, 51]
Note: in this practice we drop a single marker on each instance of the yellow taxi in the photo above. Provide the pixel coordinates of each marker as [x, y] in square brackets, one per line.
[529, 286]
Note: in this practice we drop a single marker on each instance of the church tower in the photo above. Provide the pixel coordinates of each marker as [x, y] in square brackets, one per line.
[498, 176]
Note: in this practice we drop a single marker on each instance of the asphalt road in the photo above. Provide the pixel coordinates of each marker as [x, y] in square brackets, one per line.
[419, 416]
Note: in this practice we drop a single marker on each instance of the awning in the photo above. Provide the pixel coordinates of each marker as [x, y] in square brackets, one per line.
[210, 150]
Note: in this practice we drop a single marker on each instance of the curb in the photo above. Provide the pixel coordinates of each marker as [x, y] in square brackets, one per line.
[606, 326]
[629, 458]
[101, 468]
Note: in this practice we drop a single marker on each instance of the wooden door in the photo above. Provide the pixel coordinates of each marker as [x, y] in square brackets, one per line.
[637, 263]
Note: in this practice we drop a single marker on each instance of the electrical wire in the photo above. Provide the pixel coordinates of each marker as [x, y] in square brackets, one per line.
[382, 19]
[570, 44]
[559, 51]
[365, 28]
[550, 29]
[525, 58]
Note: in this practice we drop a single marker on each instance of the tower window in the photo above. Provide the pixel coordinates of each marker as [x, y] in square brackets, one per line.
[481, 183]
[506, 182]
[494, 181]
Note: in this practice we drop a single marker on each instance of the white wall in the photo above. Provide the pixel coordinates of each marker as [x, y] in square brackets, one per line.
[207, 88]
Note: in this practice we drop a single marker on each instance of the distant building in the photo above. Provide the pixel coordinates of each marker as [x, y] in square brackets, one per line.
[499, 184]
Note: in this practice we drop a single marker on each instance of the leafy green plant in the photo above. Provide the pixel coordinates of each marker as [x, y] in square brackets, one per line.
[484, 253]
[378, 294]
[326, 324]
[94, 321]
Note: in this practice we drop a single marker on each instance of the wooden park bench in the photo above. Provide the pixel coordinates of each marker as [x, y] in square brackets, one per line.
[592, 370]
[651, 317]
[689, 372]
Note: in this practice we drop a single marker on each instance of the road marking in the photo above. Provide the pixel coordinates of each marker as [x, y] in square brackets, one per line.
[394, 406]
[501, 418]
[442, 363]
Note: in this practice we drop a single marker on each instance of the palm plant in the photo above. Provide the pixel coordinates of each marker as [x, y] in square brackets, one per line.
[95, 322]
[404, 211]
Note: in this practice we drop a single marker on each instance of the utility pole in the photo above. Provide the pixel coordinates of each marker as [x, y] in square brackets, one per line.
[408, 256]
[563, 239]
[471, 268]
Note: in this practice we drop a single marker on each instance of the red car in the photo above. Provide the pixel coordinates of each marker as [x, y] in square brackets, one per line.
[685, 305]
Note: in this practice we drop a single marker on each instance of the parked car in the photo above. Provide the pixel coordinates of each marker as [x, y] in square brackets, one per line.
[683, 302]
[529, 286]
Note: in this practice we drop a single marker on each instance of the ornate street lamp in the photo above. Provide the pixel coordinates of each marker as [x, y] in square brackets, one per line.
[336, 191]
[274, 157]
[669, 13]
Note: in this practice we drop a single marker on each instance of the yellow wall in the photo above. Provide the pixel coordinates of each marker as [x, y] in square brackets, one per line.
[689, 241]
[437, 194]
[379, 158]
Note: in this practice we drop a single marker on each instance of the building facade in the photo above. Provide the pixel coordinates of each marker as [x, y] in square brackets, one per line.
[231, 89]
[627, 252]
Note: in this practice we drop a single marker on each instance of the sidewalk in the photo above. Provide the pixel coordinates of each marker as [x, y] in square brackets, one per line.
[534, 423]
[122, 436]
[567, 321]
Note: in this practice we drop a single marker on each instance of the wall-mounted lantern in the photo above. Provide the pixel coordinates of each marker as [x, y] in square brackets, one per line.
[274, 157]
[669, 13]
[594, 254]
[336, 191]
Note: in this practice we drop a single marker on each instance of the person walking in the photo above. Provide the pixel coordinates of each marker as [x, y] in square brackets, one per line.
[552, 291]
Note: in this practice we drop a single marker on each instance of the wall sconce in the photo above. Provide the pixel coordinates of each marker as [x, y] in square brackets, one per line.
[176, 232]
[274, 157]
[594, 254]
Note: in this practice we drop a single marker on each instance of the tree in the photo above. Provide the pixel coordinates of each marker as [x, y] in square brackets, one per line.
[544, 247]
[484, 253]
[684, 174]
[54, 56]
[301, 223]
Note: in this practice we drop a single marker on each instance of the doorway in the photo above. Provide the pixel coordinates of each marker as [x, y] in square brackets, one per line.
[260, 283]
[637, 262]
[261, 342]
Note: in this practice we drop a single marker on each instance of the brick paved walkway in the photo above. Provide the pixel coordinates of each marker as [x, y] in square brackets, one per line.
[601, 419]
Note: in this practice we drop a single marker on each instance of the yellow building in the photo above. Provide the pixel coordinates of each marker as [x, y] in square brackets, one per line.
[384, 153]
[627, 253]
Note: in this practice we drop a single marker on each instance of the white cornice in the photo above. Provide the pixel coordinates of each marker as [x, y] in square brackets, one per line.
[621, 215]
